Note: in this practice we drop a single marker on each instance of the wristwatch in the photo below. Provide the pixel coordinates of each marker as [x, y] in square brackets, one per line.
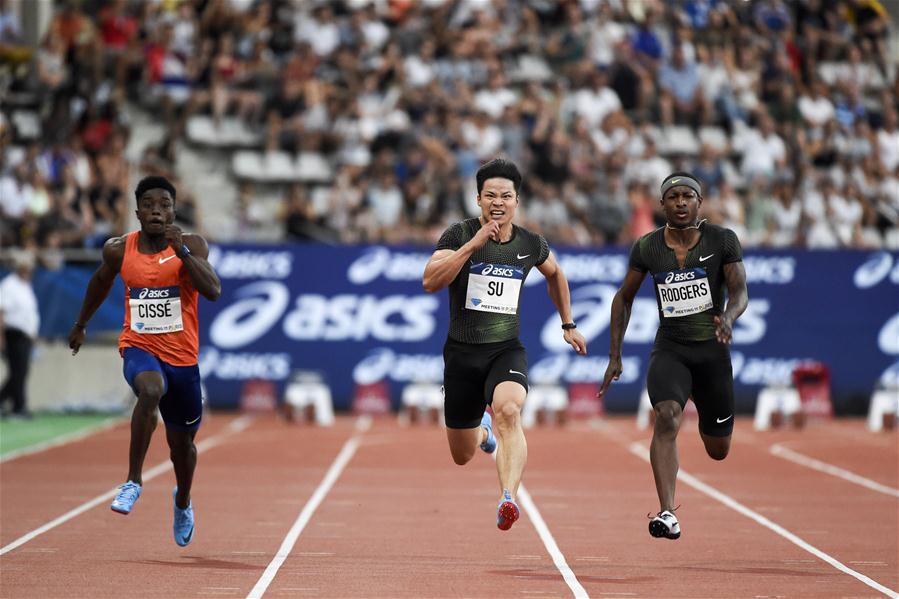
[569, 325]
[184, 252]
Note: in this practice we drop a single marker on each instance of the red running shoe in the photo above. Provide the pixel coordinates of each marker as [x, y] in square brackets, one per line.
[507, 512]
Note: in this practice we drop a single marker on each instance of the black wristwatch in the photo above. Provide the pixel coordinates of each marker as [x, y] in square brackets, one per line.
[569, 325]
[184, 252]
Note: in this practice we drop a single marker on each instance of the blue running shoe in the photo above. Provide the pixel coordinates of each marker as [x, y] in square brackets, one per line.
[488, 446]
[124, 501]
[507, 512]
[184, 522]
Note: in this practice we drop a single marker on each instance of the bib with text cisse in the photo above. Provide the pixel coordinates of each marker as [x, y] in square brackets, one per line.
[155, 310]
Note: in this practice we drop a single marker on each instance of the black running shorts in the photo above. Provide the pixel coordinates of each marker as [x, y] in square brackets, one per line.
[472, 371]
[698, 369]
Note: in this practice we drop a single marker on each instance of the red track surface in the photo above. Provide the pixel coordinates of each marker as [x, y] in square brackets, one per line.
[403, 521]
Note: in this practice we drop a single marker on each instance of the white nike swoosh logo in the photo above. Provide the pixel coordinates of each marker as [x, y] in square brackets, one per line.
[720, 420]
[704, 258]
[163, 261]
[192, 421]
[521, 373]
[522, 257]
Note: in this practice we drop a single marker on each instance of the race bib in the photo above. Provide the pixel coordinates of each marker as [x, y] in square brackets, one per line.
[493, 288]
[155, 310]
[683, 292]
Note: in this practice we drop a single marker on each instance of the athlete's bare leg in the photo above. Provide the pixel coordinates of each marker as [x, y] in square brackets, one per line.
[663, 451]
[463, 442]
[716, 447]
[512, 452]
[183, 453]
[149, 386]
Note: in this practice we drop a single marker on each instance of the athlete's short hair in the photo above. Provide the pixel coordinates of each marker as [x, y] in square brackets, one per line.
[499, 167]
[153, 182]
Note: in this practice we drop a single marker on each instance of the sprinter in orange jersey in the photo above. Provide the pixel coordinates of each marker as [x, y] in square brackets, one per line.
[163, 272]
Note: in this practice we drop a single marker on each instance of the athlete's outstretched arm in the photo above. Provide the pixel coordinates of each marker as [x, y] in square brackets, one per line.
[198, 268]
[621, 314]
[737, 300]
[444, 265]
[98, 288]
[560, 294]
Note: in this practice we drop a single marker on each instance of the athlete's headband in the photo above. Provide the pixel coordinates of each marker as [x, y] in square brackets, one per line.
[681, 180]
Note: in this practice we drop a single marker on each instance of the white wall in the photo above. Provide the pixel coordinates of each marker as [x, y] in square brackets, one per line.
[91, 380]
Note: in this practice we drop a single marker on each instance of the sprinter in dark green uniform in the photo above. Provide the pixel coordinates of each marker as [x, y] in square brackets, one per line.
[484, 262]
[691, 262]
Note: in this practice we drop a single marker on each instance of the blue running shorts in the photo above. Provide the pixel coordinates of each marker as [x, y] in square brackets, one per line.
[181, 404]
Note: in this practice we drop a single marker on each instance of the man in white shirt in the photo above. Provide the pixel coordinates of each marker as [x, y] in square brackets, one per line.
[19, 322]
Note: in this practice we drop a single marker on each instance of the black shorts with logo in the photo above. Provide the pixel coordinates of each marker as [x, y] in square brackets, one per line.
[698, 369]
[472, 371]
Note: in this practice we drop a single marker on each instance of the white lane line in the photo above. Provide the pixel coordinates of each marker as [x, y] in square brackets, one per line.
[640, 451]
[550, 543]
[803, 460]
[233, 428]
[340, 462]
[78, 435]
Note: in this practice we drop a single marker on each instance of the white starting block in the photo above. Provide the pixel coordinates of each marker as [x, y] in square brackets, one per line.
[883, 409]
[420, 399]
[307, 394]
[774, 404]
[543, 403]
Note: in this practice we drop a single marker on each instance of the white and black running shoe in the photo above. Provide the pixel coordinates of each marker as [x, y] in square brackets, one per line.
[664, 525]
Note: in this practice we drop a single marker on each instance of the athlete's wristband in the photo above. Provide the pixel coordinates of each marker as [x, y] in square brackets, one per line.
[569, 325]
[184, 252]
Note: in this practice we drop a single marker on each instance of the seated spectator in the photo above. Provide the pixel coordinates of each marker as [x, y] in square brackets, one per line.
[814, 106]
[764, 152]
[681, 98]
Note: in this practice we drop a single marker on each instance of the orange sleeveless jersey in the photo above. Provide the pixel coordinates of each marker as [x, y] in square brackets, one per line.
[160, 305]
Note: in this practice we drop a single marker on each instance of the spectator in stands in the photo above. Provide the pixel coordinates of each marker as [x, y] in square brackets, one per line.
[681, 97]
[19, 323]
[16, 198]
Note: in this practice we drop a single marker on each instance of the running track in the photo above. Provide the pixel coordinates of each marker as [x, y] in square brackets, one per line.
[349, 511]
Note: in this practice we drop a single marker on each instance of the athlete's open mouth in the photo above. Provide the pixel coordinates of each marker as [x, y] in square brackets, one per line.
[497, 213]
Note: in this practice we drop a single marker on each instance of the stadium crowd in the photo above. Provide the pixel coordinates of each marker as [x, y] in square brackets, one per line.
[787, 111]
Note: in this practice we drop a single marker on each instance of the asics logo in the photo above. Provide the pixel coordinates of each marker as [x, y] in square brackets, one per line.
[164, 260]
[520, 257]
[704, 258]
[516, 372]
[720, 420]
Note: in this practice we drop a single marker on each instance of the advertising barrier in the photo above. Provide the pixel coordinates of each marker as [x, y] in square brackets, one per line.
[358, 315]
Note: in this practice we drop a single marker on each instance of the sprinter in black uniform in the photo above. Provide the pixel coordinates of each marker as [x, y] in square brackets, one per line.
[691, 262]
[484, 262]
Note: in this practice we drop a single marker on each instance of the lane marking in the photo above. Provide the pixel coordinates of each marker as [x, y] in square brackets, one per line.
[549, 542]
[63, 439]
[641, 452]
[235, 427]
[324, 487]
[803, 460]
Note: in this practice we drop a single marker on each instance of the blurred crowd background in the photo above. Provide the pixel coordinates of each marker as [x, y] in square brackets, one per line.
[365, 120]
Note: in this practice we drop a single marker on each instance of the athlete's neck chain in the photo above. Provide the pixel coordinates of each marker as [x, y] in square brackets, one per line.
[696, 226]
